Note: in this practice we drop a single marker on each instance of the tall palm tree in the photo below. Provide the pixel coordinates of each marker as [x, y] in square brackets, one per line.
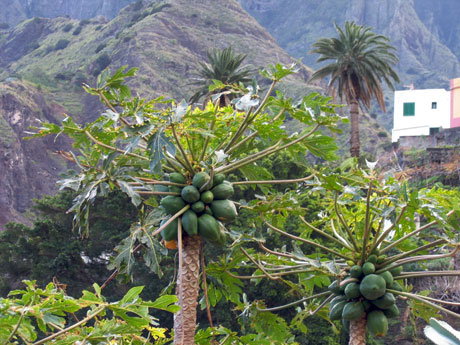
[225, 66]
[360, 61]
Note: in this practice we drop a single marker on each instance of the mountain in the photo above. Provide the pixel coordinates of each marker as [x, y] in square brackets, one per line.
[425, 33]
[44, 61]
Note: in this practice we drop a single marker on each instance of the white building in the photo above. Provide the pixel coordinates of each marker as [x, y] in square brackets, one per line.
[426, 112]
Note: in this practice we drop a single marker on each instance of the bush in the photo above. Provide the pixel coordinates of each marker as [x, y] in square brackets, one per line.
[61, 44]
[77, 31]
[101, 62]
[85, 22]
[68, 27]
[100, 47]
[382, 134]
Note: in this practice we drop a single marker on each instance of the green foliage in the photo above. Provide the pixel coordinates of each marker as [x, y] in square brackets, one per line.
[77, 31]
[61, 44]
[67, 27]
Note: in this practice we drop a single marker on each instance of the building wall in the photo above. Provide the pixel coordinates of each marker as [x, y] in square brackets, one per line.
[425, 116]
[455, 103]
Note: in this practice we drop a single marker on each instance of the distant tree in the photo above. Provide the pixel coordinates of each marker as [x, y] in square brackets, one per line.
[224, 66]
[361, 61]
[61, 44]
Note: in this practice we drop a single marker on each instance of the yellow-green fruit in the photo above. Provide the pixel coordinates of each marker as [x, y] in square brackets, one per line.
[372, 287]
[377, 323]
[368, 268]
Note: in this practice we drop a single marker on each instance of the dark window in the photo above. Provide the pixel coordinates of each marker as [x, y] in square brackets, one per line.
[409, 109]
[434, 105]
[434, 130]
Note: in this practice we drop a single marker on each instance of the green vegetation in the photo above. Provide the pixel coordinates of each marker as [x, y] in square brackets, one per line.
[61, 44]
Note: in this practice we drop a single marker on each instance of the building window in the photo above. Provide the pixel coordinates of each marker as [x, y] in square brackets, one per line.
[409, 109]
[434, 130]
[434, 105]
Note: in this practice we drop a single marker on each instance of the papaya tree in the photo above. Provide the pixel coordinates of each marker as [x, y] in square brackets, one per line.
[372, 238]
[173, 160]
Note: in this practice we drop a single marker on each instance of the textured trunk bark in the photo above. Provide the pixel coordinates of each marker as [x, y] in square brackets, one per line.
[358, 332]
[187, 292]
[354, 134]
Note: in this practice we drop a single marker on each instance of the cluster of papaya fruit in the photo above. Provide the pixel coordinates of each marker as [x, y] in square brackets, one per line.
[209, 205]
[363, 291]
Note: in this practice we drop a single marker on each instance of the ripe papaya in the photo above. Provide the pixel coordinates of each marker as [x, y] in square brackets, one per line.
[385, 302]
[335, 313]
[368, 268]
[197, 207]
[222, 191]
[377, 323]
[388, 278]
[352, 290]
[172, 204]
[392, 311]
[372, 287]
[356, 271]
[352, 311]
[177, 178]
[170, 244]
[190, 223]
[396, 271]
[218, 179]
[207, 197]
[200, 179]
[190, 194]
[224, 210]
[169, 233]
[208, 227]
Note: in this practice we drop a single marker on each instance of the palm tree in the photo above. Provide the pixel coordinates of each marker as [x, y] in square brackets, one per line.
[224, 66]
[361, 61]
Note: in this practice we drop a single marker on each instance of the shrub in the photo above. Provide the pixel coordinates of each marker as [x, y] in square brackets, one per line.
[102, 62]
[77, 31]
[85, 22]
[68, 27]
[100, 47]
[61, 44]
[382, 134]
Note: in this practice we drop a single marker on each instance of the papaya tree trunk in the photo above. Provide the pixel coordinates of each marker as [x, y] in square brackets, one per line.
[358, 331]
[187, 289]
[354, 131]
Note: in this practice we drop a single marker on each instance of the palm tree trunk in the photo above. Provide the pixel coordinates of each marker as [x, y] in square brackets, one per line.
[187, 292]
[354, 137]
[358, 331]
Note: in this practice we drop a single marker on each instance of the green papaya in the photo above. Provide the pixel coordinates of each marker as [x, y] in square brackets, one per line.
[190, 194]
[222, 191]
[161, 188]
[224, 210]
[392, 311]
[352, 311]
[198, 207]
[352, 290]
[207, 210]
[368, 268]
[207, 197]
[218, 179]
[372, 287]
[177, 178]
[388, 278]
[346, 325]
[190, 223]
[208, 227]
[356, 271]
[396, 271]
[174, 189]
[334, 287]
[200, 179]
[377, 323]
[169, 233]
[396, 286]
[336, 300]
[172, 204]
[372, 258]
[385, 302]
[335, 313]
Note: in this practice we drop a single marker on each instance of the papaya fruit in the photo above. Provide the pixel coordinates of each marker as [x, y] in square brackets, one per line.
[396, 271]
[377, 323]
[352, 290]
[174, 189]
[190, 223]
[392, 311]
[172, 204]
[372, 258]
[334, 287]
[208, 227]
[200, 179]
[372, 287]
[207, 197]
[224, 210]
[177, 178]
[346, 325]
[222, 191]
[385, 302]
[207, 210]
[218, 179]
[190, 194]
[352, 311]
[396, 286]
[368, 268]
[367, 305]
[336, 300]
[198, 207]
[335, 313]
[170, 244]
[356, 271]
[161, 188]
[388, 278]
[169, 233]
